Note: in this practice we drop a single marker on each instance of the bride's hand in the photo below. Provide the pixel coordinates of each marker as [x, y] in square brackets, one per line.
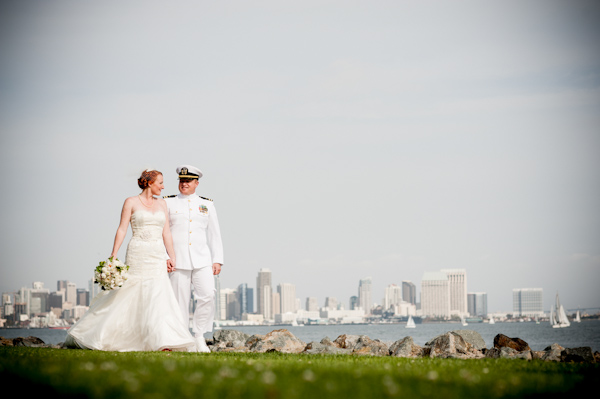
[170, 265]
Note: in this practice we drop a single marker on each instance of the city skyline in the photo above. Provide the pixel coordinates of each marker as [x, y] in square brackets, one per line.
[232, 303]
[338, 140]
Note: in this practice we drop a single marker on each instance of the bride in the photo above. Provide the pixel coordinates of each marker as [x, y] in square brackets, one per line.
[143, 314]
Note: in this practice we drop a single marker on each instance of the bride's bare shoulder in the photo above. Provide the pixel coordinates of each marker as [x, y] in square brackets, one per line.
[129, 202]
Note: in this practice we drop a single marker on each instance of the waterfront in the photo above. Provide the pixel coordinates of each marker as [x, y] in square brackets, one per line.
[538, 336]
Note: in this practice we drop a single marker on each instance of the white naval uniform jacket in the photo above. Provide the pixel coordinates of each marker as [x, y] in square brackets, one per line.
[195, 230]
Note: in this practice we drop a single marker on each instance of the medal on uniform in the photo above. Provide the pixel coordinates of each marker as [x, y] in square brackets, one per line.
[203, 209]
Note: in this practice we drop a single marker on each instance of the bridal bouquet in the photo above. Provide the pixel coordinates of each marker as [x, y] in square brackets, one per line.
[111, 273]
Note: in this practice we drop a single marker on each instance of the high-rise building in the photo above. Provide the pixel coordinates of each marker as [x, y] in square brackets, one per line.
[435, 295]
[393, 296]
[264, 294]
[71, 293]
[409, 292]
[266, 302]
[354, 304]
[83, 297]
[276, 303]
[528, 302]
[228, 304]
[56, 299]
[477, 303]
[245, 298]
[312, 305]
[287, 296]
[457, 283]
[233, 305]
[61, 285]
[250, 298]
[218, 309]
[331, 303]
[365, 298]
[93, 288]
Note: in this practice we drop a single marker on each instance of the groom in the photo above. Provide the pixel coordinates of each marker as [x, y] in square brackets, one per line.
[198, 252]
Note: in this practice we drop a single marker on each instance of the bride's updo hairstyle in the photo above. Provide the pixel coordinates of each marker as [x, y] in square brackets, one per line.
[148, 177]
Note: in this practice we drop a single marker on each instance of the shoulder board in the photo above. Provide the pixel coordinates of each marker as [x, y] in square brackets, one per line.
[170, 196]
[208, 199]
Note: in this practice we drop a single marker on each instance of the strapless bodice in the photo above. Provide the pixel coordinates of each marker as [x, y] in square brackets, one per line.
[147, 226]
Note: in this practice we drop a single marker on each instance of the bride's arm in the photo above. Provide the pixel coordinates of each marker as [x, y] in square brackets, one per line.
[122, 229]
[167, 238]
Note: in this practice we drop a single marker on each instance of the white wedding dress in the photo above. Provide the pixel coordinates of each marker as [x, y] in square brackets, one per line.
[143, 314]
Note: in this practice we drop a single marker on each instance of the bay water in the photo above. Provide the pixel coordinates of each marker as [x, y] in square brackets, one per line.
[538, 336]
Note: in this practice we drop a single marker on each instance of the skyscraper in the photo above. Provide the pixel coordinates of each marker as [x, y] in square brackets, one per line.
[218, 312]
[409, 292]
[354, 302]
[435, 295]
[311, 304]
[393, 296]
[365, 298]
[287, 296]
[245, 298]
[477, 303]
[457, 283]
[528, 302]
[264, 294]
[71, 293]
[276, 304]
[331, 303]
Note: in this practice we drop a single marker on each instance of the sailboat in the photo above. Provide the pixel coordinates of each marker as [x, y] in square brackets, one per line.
[463, 321]
[492, 320]
[577, 317]
[558, 317]
[410, 323]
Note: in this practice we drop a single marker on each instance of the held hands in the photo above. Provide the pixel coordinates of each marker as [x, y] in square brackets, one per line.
[216, 268]
[170, 265]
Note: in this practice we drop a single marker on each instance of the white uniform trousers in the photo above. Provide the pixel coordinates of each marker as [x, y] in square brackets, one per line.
[202, 281]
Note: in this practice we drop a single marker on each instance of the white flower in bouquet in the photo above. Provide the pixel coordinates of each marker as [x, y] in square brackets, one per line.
[111, 273]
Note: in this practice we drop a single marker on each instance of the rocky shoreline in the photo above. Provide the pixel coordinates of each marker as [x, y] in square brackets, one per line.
[458, 344]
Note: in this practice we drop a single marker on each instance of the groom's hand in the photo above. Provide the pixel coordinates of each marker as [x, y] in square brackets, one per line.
[216, 268]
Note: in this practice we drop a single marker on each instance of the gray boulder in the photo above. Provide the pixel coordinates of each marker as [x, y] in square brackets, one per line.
[278, 341]
[347, 341]
[229, 339]
[552, 353]
[367, 346]
[578, 355]
[452, 345]
[508, 353]
[31, 342]
[472, 337]
[320, 348]
[405, 347]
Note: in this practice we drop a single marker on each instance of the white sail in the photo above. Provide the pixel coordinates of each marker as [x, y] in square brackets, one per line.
[558, 317]
[564, 321]
[410, 323]
[577, 318]
[463, 321]
[492, 320]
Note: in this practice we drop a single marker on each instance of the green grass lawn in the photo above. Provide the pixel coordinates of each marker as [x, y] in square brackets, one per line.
[94, 374]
